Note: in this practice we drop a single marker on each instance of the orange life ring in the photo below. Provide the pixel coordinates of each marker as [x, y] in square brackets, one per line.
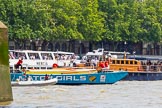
[55, 65]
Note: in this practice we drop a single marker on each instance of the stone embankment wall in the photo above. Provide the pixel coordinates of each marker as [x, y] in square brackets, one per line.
[5, 82]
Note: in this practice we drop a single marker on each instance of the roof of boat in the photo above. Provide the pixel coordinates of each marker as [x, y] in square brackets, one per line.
[144, 58]
[100, 52]
[32, 51]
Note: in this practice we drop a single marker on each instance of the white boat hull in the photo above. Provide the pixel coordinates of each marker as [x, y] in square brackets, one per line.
[34, 83]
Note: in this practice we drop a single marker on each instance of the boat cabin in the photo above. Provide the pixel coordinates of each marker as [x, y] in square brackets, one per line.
[40, 59]
[125, 64]
[101, 54]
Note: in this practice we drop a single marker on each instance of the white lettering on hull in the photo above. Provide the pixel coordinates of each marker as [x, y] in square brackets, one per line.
[71, 78]
[60, 78]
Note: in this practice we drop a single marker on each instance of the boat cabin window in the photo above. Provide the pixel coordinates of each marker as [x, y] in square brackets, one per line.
[131, 62]
[122, 61]
[113, 61]
[17, 55]
[46, 56]
[135, 62]
[33, 56]
[60, 55]
[118, 62]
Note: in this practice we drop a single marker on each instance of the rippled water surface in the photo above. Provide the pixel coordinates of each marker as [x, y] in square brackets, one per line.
[123, 94]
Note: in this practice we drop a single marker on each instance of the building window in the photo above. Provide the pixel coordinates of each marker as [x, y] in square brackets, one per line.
[64, 47]
[149, 49]
[33, 46]
[57, 47]
[50, 47]
[99, 45]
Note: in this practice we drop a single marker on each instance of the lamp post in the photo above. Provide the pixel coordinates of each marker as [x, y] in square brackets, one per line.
[134, 53]
[125, 43]
[102, 51]
[125, 56]
[80, 47]
[102, 44]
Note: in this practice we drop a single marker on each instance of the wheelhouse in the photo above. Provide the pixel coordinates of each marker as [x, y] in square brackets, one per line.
[125, 64]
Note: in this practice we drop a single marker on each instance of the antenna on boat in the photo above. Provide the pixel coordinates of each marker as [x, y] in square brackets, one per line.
[134, 53]
[57, 56]
[125, 53]
[102, 52]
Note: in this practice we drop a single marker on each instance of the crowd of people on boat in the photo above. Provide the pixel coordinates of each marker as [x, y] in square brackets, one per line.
[152, 65]
[44, 56]
[93, 61]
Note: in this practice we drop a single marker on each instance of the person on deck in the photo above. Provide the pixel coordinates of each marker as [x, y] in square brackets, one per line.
[19, 63]
[107, 64]
[46, 77]
[101, 64]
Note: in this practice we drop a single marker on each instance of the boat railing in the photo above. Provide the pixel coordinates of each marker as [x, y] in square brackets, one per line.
[143, 68]
[27, 67]
[46, 67]
[151, 68]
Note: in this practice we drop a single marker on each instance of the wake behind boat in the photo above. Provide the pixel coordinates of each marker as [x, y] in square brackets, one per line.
[34, 82]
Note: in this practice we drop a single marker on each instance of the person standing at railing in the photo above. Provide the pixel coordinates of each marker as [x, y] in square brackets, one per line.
[108, 62]
[19, 63]
[148, 67]
[46, 77]
[101, 64]
[159, 64]
[107, 65]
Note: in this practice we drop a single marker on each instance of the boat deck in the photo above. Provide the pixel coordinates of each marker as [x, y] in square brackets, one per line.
[61, 71]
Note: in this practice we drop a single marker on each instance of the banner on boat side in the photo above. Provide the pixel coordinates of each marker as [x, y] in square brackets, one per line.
[71, 78]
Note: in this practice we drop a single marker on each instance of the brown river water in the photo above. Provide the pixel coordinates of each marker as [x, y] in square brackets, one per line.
[123, 94]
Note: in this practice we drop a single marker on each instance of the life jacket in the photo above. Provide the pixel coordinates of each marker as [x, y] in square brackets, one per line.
[106, 64]
[101, 64]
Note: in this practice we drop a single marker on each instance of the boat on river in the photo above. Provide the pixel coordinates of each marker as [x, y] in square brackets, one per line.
[17, 82]
[107, 77]
[40, 59]
[138, 68]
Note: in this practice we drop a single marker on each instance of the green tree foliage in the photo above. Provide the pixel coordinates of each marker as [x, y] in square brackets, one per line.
[91, 23]
[132, 20]
[66, 14]
[27, 19]
[151, 25]
[111, 19]
[93, 20]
